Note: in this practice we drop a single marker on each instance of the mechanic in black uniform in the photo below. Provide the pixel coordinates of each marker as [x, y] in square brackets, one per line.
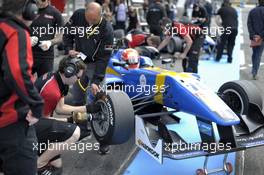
[156, 12]
[229, 18]
[94, 45]
[57, 127]
[45, 34]
[200, 15]
[20, 102]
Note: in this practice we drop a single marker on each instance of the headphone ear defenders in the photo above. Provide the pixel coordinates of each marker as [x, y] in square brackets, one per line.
[71, 68]
[30, 10]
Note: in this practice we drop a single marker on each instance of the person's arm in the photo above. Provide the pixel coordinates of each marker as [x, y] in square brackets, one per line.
[163, 11]
[59, 23]
[250, 27]
[148, 17]
[164, 43]
[17, 66]
[103, 55]
[189, 43]
[218, 20]
[262, 21]
[204, 15]
[218, 17]
[68, 37]
[46, 44]
[64, 109]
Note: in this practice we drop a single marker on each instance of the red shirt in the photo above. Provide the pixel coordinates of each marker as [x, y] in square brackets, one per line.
[51, 89]
[137, 40]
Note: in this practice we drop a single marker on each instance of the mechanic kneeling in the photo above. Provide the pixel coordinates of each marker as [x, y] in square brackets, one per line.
[193, 37]
[56, 130]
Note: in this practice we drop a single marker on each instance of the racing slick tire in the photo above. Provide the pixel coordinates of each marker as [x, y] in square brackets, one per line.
[115, 123]
[175, 45]
[239, 94]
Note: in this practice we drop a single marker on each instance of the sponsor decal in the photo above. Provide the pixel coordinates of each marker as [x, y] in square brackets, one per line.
[142, 80]
[205, 128]
[148, 149]
[110, 110]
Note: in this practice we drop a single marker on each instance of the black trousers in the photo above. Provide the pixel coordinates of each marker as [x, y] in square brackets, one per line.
[156, 30]
[17, 151]
[194, 53]
[42, 66]
[228, 38]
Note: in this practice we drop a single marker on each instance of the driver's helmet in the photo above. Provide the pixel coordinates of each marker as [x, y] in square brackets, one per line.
[131, 57]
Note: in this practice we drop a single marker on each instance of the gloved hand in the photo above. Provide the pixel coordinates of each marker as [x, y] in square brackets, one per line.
[34, 40]
[79, 117]
[100, 96]
[93, 108]
[45, 45]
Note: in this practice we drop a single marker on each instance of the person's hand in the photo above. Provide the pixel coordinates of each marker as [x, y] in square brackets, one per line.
[257, 38]
[95, 89]
[73, 53]
[79, 117]
[182, 56]
[34, 40]
[93, 108]
[31, 119]
[45, 45]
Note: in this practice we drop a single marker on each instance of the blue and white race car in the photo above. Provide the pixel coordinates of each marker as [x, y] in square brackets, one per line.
[156, 96]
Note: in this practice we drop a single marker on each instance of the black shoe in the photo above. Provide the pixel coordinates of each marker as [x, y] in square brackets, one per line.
[104, 149]
[255, 77]
[50, 170]
[229, 60]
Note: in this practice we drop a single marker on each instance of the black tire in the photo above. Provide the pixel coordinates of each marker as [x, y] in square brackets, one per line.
[175, 45]
[171, 46]
[178, 44]
[118, 125]
[239, 94]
